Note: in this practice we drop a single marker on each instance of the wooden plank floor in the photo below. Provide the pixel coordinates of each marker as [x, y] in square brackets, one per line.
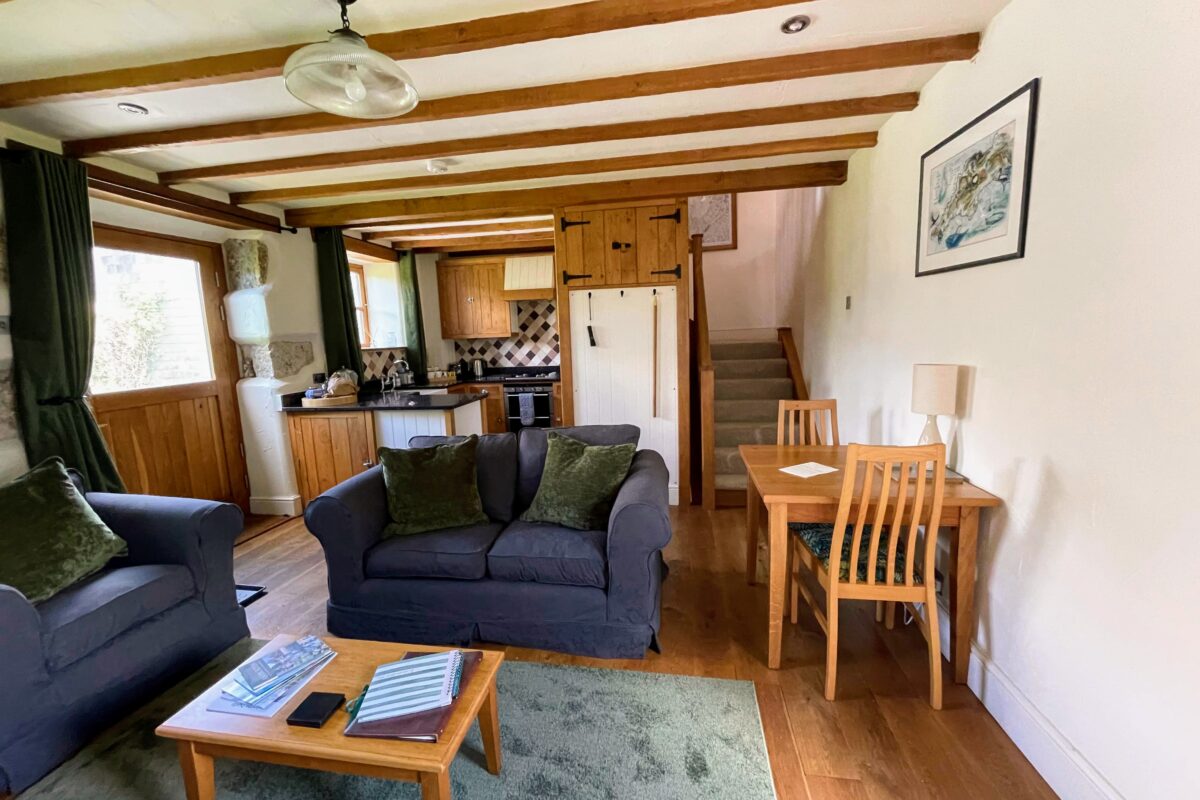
[880, 740]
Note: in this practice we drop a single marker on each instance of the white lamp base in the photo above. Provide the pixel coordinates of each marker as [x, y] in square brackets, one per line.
[930, 434]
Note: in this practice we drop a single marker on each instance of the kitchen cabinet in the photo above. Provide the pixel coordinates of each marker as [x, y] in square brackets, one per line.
[471, 299]
[636, 244]
[329, 448]
[495, 420]
[558, 405]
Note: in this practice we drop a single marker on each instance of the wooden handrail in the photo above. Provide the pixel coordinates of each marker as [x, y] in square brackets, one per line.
[707, 383]
[795, 368]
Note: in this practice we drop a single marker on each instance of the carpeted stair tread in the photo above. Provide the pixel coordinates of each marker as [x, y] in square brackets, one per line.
[751, 368]
[754, 389]
[729, 461]
[723, 351]
[731, 434]
[746, 410]
[729, 481]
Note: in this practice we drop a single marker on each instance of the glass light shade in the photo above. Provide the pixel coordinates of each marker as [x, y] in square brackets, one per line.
[346, 77]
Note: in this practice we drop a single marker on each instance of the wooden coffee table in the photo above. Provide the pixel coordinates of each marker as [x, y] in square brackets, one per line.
[203, 735]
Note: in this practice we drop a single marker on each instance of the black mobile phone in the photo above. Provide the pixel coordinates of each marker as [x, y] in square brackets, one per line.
[316, 709]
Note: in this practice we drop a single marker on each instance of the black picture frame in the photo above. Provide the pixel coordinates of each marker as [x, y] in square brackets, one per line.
[1033, 88]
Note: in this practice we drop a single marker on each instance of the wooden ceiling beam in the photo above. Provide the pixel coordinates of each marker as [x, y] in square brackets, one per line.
[491, 247]
[466, 218]
[371, 250]
[494, 228]
[847, 141]
[646, 84]
[829, 173]
[673, 126]
[436, 40]
[477, 242]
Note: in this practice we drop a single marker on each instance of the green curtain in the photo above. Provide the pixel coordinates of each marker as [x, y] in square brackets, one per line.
[52, 292]
[342, 344]
[414, 326]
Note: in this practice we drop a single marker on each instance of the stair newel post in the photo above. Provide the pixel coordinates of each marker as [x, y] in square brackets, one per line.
[706, 381]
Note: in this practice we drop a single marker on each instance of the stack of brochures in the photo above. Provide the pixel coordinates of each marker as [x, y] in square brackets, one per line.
[412, 698]
[261, 686]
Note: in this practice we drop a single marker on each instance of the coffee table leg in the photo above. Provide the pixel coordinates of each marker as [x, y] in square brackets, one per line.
[197, 773]
[489, 730]
[435, 785]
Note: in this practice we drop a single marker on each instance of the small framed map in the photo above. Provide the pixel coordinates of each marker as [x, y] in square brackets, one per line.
[974, 201]
[715, 216]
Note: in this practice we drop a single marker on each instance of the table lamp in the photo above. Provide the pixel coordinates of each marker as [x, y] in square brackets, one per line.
[934, 392]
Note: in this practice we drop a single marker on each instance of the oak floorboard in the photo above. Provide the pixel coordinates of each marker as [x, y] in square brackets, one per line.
[879, 740]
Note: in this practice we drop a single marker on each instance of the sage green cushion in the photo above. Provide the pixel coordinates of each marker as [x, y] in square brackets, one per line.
[432, 488]
[50, 537]
[580, 483]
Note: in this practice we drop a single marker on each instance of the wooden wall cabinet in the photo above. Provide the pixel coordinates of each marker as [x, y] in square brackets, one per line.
[621, 246]
[471, 299]
[495, 418]
[329, 448]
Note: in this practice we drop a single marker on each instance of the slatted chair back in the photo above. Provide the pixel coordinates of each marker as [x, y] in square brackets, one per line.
[901, 493]
[807, 422]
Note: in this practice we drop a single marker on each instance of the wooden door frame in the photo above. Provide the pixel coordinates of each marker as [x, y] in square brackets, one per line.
[211, 257]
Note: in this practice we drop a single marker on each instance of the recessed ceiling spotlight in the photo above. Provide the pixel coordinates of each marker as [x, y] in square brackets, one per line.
[437, 166]
[796, 24]
[134, 108]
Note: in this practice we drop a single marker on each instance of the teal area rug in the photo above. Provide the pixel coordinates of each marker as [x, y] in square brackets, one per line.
[566, 732]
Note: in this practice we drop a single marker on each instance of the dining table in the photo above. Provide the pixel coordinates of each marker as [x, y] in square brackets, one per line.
[789, 498]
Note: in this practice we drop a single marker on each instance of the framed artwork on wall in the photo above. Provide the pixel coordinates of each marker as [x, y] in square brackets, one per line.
[715, 216]
[974, 193]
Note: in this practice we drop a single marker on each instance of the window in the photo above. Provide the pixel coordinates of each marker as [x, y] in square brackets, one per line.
[358, 287]
[150, 325]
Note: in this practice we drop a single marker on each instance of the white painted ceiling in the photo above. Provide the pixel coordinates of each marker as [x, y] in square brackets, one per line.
[102, 34]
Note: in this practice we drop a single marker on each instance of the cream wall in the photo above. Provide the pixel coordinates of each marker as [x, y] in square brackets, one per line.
[740, 283]
[1081, 408]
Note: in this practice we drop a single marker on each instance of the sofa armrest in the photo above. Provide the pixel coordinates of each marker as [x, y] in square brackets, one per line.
[23, 664]
[348, 520]
[197, 534]
[638, 529]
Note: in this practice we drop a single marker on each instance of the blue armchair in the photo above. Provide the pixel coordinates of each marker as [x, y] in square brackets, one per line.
[79, 661]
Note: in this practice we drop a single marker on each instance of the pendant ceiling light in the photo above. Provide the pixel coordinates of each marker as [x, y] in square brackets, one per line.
[346, 77]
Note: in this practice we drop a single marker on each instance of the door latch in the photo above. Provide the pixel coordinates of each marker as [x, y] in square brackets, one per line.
[622, 245]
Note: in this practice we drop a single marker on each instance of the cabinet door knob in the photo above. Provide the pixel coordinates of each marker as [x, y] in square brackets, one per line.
[484, 392]
[470, 299]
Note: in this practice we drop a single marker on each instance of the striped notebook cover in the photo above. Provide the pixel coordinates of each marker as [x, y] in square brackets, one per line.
[411, 686]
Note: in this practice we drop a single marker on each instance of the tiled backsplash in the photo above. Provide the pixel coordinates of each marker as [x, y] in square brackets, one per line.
[534, 345]
[375, 361]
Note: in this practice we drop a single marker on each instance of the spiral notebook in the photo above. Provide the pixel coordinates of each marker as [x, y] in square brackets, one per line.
[419, 726]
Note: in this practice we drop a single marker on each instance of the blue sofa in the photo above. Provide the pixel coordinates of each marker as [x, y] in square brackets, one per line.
[74, 664]
[593, 593]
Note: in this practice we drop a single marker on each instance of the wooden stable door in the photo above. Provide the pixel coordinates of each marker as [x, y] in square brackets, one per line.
[163, 370]
[621, 246]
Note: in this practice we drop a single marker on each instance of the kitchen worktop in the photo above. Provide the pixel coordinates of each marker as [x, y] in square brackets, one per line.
[387, 401]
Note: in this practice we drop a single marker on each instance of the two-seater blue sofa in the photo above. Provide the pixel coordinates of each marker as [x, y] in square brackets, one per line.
[74, 664]
[593, 593]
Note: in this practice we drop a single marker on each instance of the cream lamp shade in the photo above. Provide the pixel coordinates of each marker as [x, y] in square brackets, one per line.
[934, 392]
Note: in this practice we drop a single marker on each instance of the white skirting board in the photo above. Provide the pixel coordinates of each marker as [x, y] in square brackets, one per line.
[276, 506]
[614, 380]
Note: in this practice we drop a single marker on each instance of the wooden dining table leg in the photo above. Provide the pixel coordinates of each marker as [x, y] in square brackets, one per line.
[964, 547]
[777, 581]
[753, 511]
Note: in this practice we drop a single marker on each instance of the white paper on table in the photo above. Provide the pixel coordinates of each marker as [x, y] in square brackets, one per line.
[809, 469]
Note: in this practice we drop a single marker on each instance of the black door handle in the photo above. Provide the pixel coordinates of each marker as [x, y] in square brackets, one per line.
[622, 245]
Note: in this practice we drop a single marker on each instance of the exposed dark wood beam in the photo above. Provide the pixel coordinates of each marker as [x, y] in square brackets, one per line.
[829, 173]
[371, 250]
[437, 40]
[127, 190]
[699, 123]
[646, 84]
[461, 230]
[847, 141]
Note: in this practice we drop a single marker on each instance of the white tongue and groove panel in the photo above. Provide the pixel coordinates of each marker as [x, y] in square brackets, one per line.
[529, 272]
[614, 381]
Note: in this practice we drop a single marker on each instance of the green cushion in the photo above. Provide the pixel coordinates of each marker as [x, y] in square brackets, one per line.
[579, 483]
[818, 538]
[50, 537]
[432, 488]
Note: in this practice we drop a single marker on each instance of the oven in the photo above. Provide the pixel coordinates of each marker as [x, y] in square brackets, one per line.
[529, 405]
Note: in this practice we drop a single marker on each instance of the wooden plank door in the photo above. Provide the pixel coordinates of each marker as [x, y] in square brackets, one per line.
[584, 248]
[164, 371]
[621, 256]
[329, 448]
[495, 316]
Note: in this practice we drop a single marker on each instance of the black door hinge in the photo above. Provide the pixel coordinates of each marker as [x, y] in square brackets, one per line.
[677, 272]
[675, 216]
[568, 277]
[565, 223]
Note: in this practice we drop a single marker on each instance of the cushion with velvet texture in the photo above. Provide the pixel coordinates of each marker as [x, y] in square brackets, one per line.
[50, 537]
[459, 553]
[84, 617]
[579, 483]
[531, 452]
[432, 488]
[495, 470]
[546, 553]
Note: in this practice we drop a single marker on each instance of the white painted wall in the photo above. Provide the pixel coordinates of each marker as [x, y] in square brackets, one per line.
[1081, 410]
[740, 283]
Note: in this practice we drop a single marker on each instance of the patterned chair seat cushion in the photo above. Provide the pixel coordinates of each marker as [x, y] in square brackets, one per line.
[818, 538]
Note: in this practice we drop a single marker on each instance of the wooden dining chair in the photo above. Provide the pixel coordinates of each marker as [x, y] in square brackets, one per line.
[807, 422]
[891, 497]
